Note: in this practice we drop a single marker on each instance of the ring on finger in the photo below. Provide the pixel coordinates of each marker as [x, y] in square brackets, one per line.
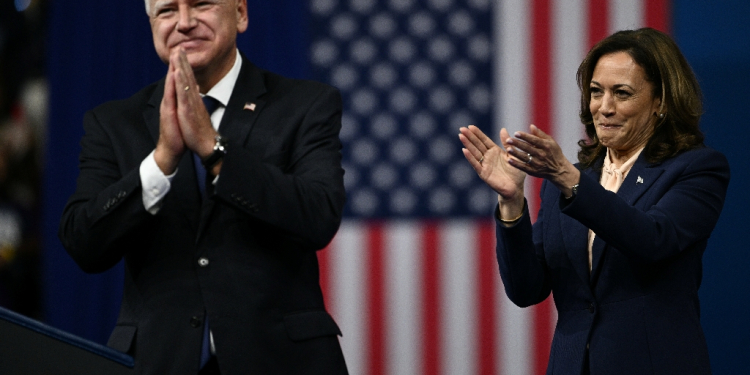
[187, 88]
[481, 159]
[529, 161]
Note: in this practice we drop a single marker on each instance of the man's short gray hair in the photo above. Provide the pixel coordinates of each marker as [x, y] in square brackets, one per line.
[148, 6]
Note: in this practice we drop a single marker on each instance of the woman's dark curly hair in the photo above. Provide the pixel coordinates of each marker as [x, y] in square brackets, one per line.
[673, 81]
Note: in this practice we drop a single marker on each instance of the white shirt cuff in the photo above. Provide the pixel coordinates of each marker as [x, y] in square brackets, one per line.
[155, 185]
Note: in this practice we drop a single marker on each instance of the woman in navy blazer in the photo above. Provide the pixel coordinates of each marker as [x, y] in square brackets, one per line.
[620, 235]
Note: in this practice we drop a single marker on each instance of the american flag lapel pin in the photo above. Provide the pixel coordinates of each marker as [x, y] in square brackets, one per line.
[639, 180]
[250, 106]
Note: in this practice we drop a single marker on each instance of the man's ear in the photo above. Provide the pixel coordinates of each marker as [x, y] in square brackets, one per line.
[242, 20]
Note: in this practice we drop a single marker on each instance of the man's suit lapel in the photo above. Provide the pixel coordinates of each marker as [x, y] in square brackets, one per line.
[240, 115]
[244, 105]
[151, 113]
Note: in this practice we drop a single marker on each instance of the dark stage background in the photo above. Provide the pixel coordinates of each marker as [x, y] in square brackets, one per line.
[102, 50]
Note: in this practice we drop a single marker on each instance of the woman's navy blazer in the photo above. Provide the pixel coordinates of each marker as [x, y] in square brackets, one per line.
[637, 311]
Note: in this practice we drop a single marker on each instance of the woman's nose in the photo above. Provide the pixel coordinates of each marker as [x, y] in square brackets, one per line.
[607, 106]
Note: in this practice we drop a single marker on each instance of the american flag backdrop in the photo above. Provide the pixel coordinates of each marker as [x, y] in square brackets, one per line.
[411, 276]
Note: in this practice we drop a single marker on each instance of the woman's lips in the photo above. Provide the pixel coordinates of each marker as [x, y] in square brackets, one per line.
[609, 126]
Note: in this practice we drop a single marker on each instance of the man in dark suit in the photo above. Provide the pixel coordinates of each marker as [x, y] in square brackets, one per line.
[217, 213]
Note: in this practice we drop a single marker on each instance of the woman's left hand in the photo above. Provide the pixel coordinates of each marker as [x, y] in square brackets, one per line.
[537, 154]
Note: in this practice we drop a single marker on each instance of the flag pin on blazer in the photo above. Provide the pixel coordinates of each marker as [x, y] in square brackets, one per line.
[250, 106]
[639, 180]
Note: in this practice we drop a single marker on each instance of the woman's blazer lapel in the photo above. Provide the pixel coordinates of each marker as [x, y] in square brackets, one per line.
[641, 176]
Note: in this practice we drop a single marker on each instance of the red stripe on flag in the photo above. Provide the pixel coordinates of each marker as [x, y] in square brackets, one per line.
[541, 72]
[541, 114]
[542, 334]
[541, 67]
[658, 14]
[598, 11]
[487, 271]
[431, 303]
[375, 300]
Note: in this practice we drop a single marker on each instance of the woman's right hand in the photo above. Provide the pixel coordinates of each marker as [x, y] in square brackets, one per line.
[491, 163]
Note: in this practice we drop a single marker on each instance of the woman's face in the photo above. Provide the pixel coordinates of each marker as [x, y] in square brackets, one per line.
[622, 105]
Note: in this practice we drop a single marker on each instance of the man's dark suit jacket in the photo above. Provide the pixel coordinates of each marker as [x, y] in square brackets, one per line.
[637, 311]
[246, 256]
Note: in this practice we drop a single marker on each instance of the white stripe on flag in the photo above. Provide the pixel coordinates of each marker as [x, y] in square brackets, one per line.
[569, 48]
[512, 82]
[517, 343]
[626, 15]
[512, 77]
[403, 279]
[349, 292]
[458, 297]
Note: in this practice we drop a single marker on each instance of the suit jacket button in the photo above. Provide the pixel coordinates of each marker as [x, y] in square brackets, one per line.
[195, 322]
[203, 262]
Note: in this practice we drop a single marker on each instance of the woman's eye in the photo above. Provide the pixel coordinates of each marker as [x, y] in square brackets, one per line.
[622, 93]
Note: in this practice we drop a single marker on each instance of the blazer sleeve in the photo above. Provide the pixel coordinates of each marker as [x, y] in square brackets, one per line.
[105, 207]
[679, 211]
[520, 255]
[305, 197]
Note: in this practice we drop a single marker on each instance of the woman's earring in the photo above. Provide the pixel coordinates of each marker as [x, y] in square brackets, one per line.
[661, 115]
